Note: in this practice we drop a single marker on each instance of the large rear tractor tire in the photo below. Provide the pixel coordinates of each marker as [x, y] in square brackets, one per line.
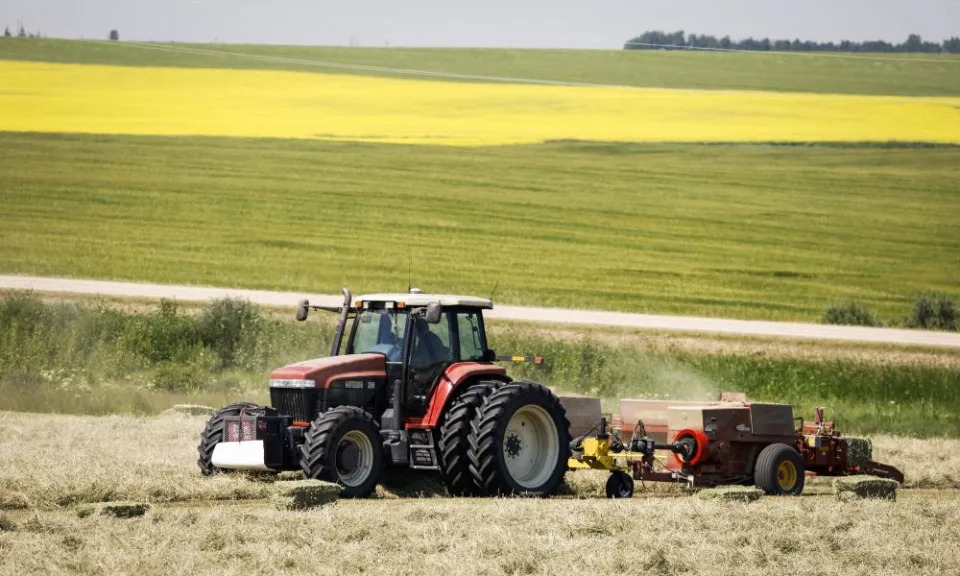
[454, 441]
[779, 471]
[344, 446]
[213, 434]
[520, 442]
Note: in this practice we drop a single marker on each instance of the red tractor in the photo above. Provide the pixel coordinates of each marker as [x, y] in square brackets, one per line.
[409, 382]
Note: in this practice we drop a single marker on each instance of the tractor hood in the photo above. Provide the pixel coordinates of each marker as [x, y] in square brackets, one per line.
[323, 371]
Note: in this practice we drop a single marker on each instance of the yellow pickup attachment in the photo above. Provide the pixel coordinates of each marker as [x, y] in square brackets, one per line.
[596, 455]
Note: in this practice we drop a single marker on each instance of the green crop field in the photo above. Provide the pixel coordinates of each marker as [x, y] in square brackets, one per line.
[752, 231]
[893, 74]
[755, 231]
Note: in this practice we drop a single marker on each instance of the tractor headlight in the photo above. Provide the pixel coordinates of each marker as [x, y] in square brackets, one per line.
[290, 383]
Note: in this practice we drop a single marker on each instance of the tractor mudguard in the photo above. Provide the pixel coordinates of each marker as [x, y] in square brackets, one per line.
[451, 380]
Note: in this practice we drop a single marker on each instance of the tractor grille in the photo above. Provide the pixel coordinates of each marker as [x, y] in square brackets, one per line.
[239, 430]
[298, 403]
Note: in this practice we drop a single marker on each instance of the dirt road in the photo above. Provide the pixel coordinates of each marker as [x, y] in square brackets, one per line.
[554, 315]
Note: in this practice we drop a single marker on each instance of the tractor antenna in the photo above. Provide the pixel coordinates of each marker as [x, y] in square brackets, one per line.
[409, 268]
[494, 291]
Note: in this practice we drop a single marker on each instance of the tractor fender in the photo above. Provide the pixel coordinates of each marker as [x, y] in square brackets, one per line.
[455, 376]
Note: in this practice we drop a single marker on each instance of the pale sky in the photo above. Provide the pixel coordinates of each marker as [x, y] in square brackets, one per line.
[493, 23]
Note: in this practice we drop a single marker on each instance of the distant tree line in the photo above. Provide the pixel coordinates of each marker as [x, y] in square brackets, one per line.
[21, 33]
[656, 40]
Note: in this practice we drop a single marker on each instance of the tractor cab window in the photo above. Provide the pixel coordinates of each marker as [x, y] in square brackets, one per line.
[469, 331]
[431, 342]
[381, 332]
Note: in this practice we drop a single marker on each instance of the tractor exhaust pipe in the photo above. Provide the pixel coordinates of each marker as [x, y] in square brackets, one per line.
[341, 322]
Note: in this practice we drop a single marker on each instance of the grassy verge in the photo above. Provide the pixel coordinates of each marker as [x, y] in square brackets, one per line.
[908, 75]
[761, 232]
[101, 359]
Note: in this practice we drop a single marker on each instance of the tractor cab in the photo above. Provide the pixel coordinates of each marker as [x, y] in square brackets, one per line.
[419, 336]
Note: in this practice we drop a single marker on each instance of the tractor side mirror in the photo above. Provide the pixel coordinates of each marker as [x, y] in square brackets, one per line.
[433, 313]
[303, 309]
[489, 355]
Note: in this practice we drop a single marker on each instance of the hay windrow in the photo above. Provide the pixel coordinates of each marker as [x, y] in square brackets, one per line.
[115, 509]
[731, 494]
[849, 488]
[303, 494]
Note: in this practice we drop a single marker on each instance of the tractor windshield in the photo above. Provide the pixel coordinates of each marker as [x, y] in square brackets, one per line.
[380, 331]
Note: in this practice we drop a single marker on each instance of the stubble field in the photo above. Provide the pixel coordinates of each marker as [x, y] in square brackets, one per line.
[49, 463]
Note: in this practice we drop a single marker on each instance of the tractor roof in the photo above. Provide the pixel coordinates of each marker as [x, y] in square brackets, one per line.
[420, 299]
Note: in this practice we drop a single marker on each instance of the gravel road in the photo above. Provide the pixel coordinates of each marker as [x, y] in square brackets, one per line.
[554, 315]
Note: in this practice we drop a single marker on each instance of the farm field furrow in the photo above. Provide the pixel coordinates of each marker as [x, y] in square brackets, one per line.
[762, 232]
[882, 74]
[45, 97]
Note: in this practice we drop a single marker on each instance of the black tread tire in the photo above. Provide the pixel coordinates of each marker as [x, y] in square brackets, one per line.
[765, 470]
[213, 434]
[454, 439]
[619, 485]
[486, 439]
[317, 458]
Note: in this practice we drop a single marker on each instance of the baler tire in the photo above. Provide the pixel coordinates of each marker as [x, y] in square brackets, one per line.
[619, 485]
[777, 464]
[454, 440]
[489, 441]
[319, 451]
[213, 434]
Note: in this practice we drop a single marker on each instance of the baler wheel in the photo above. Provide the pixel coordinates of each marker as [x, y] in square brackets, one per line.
[344, 446]
[520, 442]
[779, 471]
[454, 441]
[213, 434]
[619, 485]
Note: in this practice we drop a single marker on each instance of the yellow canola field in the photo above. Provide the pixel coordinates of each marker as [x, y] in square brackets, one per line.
[45, 97]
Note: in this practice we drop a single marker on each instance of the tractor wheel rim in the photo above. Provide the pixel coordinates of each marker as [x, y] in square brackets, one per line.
[786, 475]
[531, 446]
[357, 473]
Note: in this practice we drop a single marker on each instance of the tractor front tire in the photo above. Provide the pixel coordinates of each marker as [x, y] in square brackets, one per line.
[344, 446]
[520, 442]
[213, 435]
[454, 439]
[779, 471]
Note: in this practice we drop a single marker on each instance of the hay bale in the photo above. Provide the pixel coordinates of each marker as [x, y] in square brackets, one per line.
[849, 488]
[303, 494]
[859, 451]
[731, 494]
[115, 509]
[289, 476]
[192, 410]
